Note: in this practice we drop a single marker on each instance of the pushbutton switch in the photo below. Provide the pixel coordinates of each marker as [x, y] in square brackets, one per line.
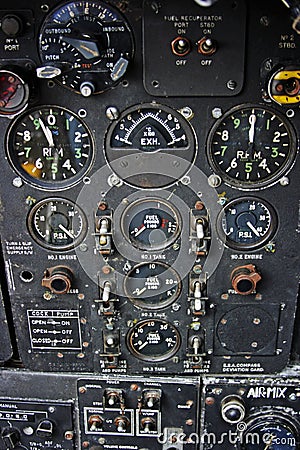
[11, 25]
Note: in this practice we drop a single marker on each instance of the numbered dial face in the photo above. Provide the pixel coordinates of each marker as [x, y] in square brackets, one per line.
[57, 224]
[152, 285]
[153, 340]
[86, 42]
[50, 147]
[251, 146]
[149, 138]
[270, 434]
[151, 224]
[247, 223]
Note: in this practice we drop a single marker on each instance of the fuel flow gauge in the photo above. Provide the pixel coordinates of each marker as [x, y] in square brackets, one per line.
[151, 224]
[152, 285]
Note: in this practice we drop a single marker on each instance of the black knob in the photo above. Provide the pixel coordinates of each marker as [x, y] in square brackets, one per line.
[11, 437]
[11, 25]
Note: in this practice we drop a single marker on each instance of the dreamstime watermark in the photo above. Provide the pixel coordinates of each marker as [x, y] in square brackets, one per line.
[240, 436]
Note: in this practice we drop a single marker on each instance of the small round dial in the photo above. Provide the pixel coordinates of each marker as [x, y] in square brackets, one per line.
[57, 224]
[153, 340]
[150, 145]
[247, 223]
[151, 224]
[50, 147]
[251, 146]
[87, 45]
[152, 285]
[272, 431]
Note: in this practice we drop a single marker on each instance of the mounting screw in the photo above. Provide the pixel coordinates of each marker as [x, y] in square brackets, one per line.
[17, 182]
[284, 181]
[185, 180]
[231, 84]
[214, 180]
[112, 113]
[187, 112]
[114, 180]
[217, 113]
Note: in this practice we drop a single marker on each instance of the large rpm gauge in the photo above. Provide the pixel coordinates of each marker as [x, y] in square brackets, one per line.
[247, 223]
[57, 224]
[251, 146]
[50, 147]
[150, 145]
[153, 340]
[152, 285]
[151, 224]
[87, 45]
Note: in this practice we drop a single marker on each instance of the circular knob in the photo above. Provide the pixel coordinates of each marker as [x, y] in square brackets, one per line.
[58, 279]
[87, 88]
[232, 409]
[244, 279]
[11, 25]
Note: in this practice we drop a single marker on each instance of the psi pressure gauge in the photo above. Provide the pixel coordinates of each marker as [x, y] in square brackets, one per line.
[247, 223]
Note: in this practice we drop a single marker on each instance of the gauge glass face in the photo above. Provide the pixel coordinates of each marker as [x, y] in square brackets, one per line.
[50, 147]
[251, 146]
[247, 223]
[153, 340]
[270, 436]
[152, 285]
[57, 224]
[151, 224]
[88, 42]
[150, 145]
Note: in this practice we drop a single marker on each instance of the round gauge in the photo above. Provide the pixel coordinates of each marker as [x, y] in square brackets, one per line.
[50, 147]
[271, 431]
[247, 223]
[152, 285]
[150, 146]
[151, 224]
[57, 224]
[251, 146]
[14, 93]
[153, 340]
[87, 45]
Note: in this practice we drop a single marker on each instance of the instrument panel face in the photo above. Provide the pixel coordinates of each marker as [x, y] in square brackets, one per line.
[149, 184]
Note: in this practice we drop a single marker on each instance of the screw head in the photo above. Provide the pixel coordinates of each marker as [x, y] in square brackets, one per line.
[17, 182]
[231, 84]
[217, 113]
[214, 180]
[112, 113]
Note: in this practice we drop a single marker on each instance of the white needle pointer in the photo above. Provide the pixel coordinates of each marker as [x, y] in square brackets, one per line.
[252, 121]
[66, 231]
[253, 228]
[47, 133]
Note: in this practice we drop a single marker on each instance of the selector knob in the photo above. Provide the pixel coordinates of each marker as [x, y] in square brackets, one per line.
[11, 25]
[244, 279]
[11, 437]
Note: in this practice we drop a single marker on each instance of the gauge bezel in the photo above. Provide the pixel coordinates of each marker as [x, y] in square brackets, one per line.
[274, 222]
[153, 306]
[109, 82]
[127, 218]
[266, 181]
[31, 227]
[173, 163]
[39, 183]
[267, 417]
[158, 358]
